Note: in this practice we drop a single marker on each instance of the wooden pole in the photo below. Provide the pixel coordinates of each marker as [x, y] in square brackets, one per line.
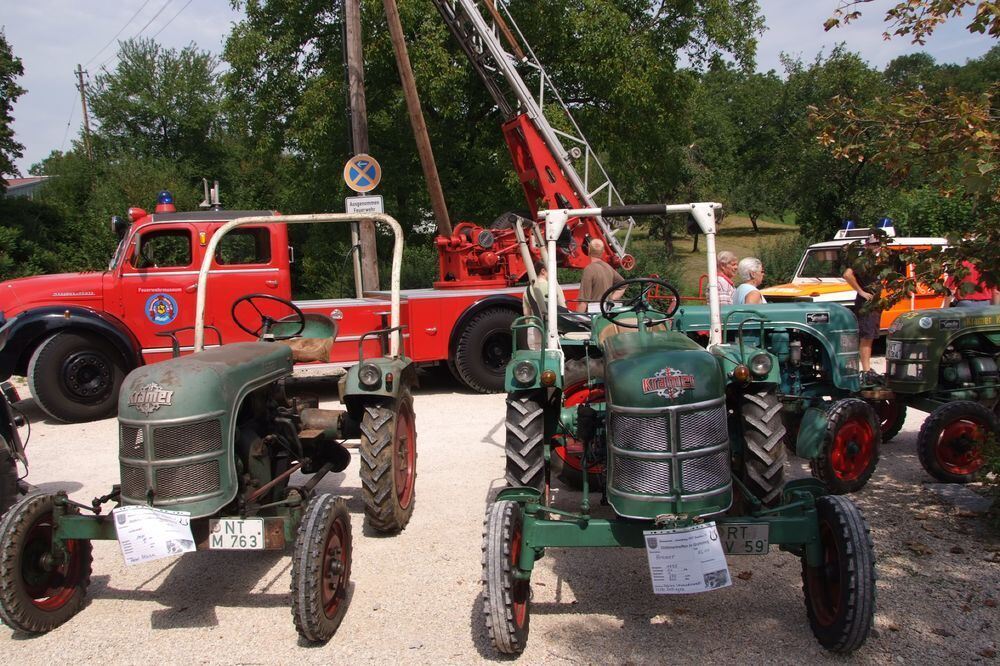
[359, 132]
[424, 149]
[82, 87]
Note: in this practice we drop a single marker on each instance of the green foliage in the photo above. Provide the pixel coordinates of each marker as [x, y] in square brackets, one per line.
[10, 69]
[780, 258]
[926, 212]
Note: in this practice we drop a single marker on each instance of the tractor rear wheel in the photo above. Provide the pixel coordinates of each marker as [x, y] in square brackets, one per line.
[484, 348]
[850, 448]
[525, 442]
[891, 415]
[321, 568]
[388, 452]
[506, 598]
[764, 451]
[39, 592]
[75, 377]
[840, 592]
[950, 443]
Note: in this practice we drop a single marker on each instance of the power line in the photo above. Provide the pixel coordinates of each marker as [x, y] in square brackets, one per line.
[139, 32]
[171, 20]
[120, 30]
[72, 110]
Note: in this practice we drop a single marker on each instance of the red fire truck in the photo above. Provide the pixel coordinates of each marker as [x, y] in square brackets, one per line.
[74, 336]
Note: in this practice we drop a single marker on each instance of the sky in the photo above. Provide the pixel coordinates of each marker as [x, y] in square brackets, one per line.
[52, 36]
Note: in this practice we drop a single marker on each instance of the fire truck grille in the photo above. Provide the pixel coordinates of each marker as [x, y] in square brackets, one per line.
[703, 428]
[131, 442]
[641, 434]
[187, 440]
[633, 475]
[187, 480]
[133, 482]
[705, 473]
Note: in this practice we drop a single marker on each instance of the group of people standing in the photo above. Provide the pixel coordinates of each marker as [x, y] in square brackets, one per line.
[750, 273]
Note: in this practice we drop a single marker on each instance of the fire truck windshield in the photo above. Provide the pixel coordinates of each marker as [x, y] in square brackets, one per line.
[119, 252]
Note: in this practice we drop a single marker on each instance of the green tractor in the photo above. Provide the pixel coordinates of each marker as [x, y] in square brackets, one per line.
[207, 446]
[12, 452]
[945, 362]
[691, 443]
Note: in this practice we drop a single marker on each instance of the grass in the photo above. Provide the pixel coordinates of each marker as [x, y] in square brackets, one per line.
[736, 234]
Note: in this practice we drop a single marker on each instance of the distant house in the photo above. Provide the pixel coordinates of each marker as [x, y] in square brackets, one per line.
[25, 187]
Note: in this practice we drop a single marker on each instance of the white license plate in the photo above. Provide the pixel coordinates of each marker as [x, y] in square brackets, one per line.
[236, 534]
[894, 349]
[744, 538]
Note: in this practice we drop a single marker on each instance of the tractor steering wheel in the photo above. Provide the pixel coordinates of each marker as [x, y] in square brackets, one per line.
[641, 303]
[266, 321]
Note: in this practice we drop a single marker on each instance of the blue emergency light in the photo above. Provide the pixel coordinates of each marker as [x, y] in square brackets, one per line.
[848, 224]
[165, 202]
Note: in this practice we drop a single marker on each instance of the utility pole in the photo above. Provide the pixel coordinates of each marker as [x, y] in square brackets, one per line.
[82, 87]
[424, 149]
[359, 132]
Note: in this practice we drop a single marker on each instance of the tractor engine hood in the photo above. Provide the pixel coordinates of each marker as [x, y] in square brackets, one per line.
[64, 288]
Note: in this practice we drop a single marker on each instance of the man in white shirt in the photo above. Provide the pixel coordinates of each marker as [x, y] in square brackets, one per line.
[727, 263]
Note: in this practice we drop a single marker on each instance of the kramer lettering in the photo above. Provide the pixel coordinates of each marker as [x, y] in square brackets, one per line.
[668, 383]
[149, 398]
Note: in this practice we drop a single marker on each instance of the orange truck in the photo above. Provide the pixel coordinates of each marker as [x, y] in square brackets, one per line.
[819, 275]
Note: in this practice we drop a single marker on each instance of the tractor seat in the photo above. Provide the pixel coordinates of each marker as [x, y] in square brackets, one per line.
[568, 322]
[315, 342]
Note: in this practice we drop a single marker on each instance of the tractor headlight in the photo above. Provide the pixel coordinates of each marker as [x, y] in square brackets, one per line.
[760, 365]
[525, 373]
[369, 375]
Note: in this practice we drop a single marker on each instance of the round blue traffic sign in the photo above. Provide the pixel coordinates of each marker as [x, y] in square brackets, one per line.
[362, 173]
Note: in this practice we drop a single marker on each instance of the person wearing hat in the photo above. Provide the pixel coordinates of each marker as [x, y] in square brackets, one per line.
[865, 282]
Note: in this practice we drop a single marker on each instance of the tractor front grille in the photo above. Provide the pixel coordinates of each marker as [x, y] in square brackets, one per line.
[634, 475]
[703, 428]
[133, 482]
[705, 473]
[131, 443]
[641, 433]
[187, 440]
[187, 480]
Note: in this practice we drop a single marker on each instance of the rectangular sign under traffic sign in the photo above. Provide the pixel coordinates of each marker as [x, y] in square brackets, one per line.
[364, 205]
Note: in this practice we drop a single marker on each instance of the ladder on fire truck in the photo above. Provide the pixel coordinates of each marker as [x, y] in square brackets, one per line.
[558, 184]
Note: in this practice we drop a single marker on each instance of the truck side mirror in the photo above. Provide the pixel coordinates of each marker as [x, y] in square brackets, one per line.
[119, 225]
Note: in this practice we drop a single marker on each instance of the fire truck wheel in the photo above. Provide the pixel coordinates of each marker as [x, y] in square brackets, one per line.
[37, 591]
[389, 463]
[764, 450]
[75, 377]
[484, 348]
[321, 568]
[950, 443]
[524, 445]
[891, 415]
[840, 593]
[8, 477]
[850, 450]
[506, 598]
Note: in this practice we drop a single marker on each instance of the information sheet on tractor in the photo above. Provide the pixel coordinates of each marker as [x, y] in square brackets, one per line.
[686, 560]
[148, 534]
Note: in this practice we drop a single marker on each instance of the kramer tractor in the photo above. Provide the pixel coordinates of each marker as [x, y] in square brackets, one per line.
[690, 441]
[207, 446]
[945, 362]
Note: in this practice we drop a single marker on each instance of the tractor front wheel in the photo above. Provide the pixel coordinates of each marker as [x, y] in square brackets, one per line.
[525, 445]
[764, 452]
[40, 588]
[850, 448]
[321, 568]
[389, 463]
[840, 591]
[506, 597]
[950, 443]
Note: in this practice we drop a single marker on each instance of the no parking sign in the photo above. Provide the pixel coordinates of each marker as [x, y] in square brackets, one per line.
[362, 173]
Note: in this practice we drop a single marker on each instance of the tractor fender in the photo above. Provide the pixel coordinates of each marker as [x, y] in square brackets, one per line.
[355, 397]
[496, 300]
[812, 432]
[21, 335]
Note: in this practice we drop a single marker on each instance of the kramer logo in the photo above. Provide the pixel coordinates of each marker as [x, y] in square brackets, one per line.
[668, 383]
[149, 398]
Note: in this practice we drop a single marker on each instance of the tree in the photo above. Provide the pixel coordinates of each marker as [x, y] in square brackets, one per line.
[10, 69]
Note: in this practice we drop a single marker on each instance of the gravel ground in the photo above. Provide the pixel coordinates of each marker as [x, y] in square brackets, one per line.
[416, 596]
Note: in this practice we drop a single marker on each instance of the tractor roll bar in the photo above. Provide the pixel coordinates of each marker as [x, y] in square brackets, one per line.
[702, 212]
[395, 340]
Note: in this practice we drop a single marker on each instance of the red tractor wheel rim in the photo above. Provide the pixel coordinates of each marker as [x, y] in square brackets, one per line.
[888, 413]
[519, 592]
[405, 452]
[336, 567]
[569, 449]
[853, 448]
[959, 446]
[49, 588]
[824, 580]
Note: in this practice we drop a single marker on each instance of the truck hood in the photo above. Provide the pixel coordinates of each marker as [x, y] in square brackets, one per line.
[76, 288]
[821, 291]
